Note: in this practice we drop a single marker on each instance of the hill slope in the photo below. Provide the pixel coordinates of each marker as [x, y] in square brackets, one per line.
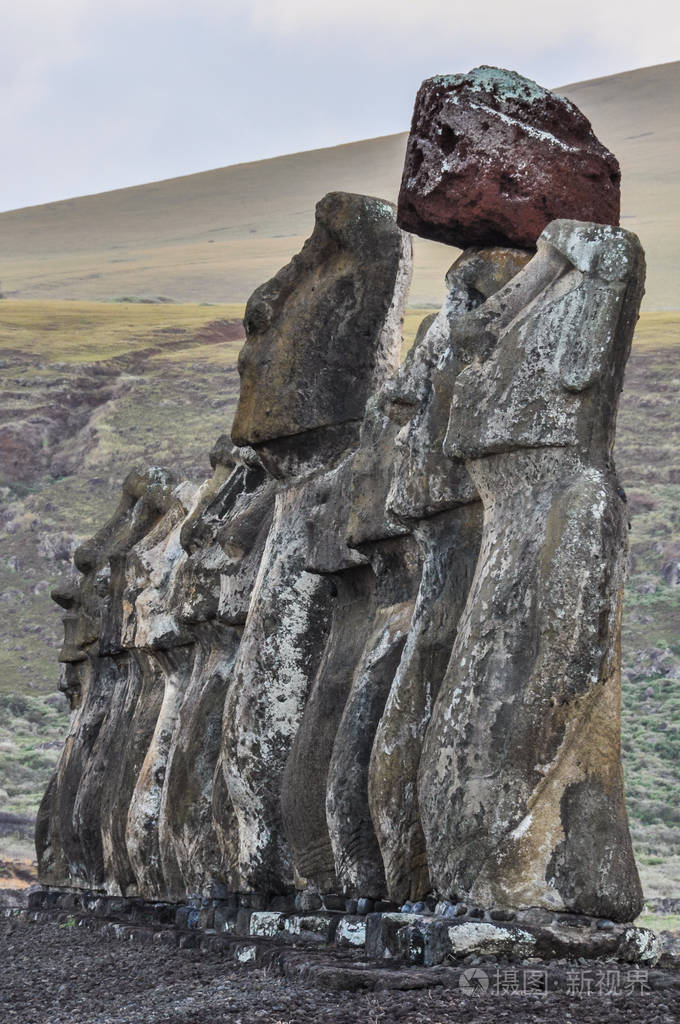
[215, 236]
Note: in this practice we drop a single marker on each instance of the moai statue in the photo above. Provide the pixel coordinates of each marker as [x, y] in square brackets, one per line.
[360, 595]
[304, 781]
[320, 337]
[223, 540]
[393, 555]
[172, 616]
[436, 498]
[134, 684]
[150, 628]
[520, 781]
[372, 614]
[58, 845]
[70, 821]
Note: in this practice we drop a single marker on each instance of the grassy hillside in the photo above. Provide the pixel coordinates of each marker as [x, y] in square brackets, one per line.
[168, 385]
[215, 236]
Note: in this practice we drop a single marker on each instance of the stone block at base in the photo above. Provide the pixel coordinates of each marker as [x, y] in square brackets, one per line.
[417, 939]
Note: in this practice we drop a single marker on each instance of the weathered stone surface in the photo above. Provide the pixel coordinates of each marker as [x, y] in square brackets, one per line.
[325, 798]
[280, 650]
[369, 518]
[224, 541]
[69, 840]
[197, 826]
[410, 937]
[422, 482]
[449, 545]
[319, 337]
[304, 783]
[150, 625]
[358, 862]
[520, 781]
[321, 332]
[192, 857]
[121, 747]
[385, 545]
[394, 558]
[301, 675]
[492, 158]
[435, 497]
[351, 932]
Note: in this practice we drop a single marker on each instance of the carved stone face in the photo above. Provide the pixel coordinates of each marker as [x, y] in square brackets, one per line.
[319, 331]
[149, 618]
[424, 480]
[369, 519]
[554, 376]
[97, 596]
[328, 521]
[222, 545]
[81, 621]
[81, 632]
[88, 599]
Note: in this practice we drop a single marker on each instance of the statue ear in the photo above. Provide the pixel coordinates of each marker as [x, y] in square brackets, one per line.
[586, 320]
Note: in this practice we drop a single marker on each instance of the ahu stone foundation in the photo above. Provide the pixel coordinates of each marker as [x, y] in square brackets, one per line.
[372, 664]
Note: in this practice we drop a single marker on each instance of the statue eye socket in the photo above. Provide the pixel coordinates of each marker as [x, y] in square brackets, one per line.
[257, 318]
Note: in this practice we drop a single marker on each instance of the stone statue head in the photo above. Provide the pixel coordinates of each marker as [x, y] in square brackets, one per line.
[87, 600]
[424, 481]
[324, 331]
[563, 329]
[148, 615]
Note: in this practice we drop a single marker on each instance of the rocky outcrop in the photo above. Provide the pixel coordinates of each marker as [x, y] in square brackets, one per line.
[376, 655]
[492, 158]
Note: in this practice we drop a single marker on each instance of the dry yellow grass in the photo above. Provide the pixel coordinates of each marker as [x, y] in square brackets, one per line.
[215, 236]
[74, 332]
[80, 332]
[657, 331]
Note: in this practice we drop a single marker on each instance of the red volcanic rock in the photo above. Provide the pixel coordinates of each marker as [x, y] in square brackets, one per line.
[492, 158]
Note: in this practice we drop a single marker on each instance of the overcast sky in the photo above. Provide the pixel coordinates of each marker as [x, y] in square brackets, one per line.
[101, 94]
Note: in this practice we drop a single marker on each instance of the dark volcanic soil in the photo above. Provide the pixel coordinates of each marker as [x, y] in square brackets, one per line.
[56, 974]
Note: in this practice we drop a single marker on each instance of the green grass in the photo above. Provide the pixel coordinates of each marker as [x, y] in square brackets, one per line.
[648, 462]
[31, 734]
[659, 922]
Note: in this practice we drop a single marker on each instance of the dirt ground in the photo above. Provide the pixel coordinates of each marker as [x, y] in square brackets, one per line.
[60, 974]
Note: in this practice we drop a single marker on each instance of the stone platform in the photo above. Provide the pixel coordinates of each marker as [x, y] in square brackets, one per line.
[250, 927]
